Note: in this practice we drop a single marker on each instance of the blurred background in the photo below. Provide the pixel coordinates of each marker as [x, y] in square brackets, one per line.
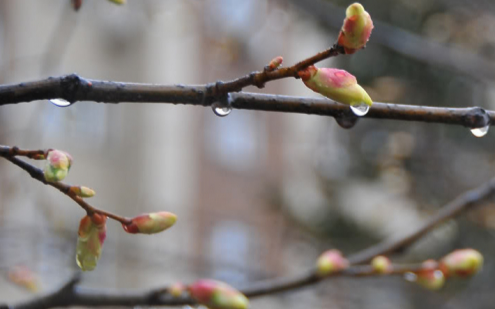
[258, 195]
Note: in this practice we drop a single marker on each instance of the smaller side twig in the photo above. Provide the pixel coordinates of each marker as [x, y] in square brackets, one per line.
[9, 154]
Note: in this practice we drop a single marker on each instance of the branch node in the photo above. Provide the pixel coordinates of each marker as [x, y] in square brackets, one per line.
[476, 117]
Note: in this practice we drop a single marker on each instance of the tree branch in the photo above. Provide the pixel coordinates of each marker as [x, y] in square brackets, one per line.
[70, 295]
[160, 297]
[9, 154]
[74, 88]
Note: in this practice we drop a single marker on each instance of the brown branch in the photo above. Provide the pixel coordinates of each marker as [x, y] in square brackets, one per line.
[10, 153]
[159, 297]
[70, 295]
[74, 88]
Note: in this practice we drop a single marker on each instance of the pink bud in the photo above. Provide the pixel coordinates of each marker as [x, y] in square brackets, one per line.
[150, 223]
[217, 295]
[356, 30]
[330, 262]
[82, 191]
[275, 63]
[335, 84]
[461, 263]
[430, 277]
[25, 277]
[57, 165]
[91, 236]
[176, 289]
[381, 264]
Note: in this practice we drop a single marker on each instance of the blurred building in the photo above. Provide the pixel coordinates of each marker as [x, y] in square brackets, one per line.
[258, 195]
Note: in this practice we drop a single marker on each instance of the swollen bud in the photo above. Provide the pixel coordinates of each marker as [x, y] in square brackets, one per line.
[176, 289]
[57, 165]
[91, 235]
[330, 262]
[274, 63]
[356, 30]
[217, 295]
[430, 277]
[82, 191]
[150, 223]
[381, 264]
[461, 263]
[335, 84]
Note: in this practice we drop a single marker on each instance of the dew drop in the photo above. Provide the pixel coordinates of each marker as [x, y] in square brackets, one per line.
[347, 122]
[60, 102]
[221, 111]
[411, 277]
[480, 132]
[360, 109]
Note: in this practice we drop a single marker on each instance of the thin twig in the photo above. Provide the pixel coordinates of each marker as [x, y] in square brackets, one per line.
[99, 298]
[71, 295]
[9, 154]
[74, 88]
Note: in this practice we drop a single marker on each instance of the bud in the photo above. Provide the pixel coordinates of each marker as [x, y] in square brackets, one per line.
[118, 1]
[76, 4]
[25, 277]
[150, 223]
[430, 277]
[274, 63]
[82, 191]
[91, 235]
[329, 262]
[381, 264]
[176, 289]
[217, 295]
[57, 165]
[356, 30]
[461, 263]
[335, 84]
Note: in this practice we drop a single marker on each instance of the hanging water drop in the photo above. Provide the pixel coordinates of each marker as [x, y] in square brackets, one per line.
[60, 102]
[360, 109]
[347, 122]
[221, 111]
[480, 132]
[411, 277]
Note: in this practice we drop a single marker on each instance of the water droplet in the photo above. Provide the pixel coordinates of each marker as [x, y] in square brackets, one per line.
[221, 111]
[60, 102]
[480, 132]
[347, 122]
[411, 277]
[360, 109]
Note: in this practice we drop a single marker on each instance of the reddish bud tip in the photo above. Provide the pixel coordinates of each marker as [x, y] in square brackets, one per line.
[177, 289]
[335, 84]
[430, 277]
[151, 223]
[461, 263]
[217, 295]
[57, 165]
[330, 262]
[91, 236]
[274, 63]
[356, 29]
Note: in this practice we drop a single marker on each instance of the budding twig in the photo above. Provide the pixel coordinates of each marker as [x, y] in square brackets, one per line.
[10, 153]
[161, 297]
